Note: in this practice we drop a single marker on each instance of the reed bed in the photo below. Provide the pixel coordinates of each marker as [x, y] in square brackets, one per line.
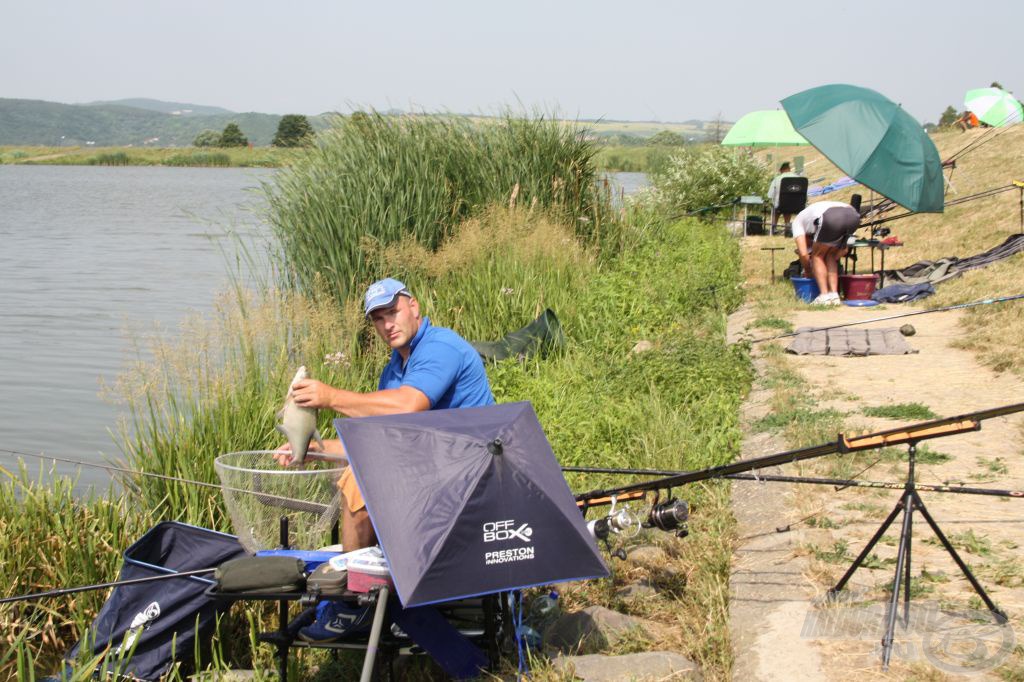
[384, 179]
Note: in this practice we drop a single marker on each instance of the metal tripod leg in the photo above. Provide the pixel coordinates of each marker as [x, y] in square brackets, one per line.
[902, 567]
[374, 641]
[867, 549]
[996, 611]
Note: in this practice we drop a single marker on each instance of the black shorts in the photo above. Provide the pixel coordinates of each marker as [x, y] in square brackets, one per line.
[836, 225]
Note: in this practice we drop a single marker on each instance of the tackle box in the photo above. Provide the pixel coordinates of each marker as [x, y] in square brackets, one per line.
[367, 568]
[327, 580]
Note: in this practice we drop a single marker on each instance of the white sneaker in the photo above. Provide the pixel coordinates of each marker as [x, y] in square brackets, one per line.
[822, 299]
[835, 300]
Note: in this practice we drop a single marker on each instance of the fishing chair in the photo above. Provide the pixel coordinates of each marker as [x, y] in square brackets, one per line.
[792, 198]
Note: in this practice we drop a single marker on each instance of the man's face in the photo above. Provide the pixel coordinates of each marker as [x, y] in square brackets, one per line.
[397, 324]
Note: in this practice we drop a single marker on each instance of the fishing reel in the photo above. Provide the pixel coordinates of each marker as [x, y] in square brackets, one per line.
[617, 522]
[670, 516]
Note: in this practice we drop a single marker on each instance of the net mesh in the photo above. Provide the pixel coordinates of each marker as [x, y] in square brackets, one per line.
[258, 492]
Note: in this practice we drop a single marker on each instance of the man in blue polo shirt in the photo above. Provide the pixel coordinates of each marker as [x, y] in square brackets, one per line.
[431, 368]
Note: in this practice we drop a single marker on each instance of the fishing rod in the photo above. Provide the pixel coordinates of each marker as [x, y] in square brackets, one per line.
[986, 301]
[911, 434]
[292, 502]
[837, 482]
[100, 586]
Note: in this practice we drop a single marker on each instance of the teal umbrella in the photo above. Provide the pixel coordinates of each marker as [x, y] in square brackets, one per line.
[994, 106]
[873, 140]
[763, 129]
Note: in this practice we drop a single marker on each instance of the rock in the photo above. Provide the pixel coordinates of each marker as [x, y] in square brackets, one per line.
[908, 330]
[636, 590]
[594, 628]
[641, 347]
[649, 665]
[651, 555]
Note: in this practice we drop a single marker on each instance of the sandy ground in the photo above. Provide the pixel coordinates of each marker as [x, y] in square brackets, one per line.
[780, 628]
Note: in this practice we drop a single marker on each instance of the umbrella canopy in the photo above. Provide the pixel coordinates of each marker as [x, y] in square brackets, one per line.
[763, 129]
[994, 106]
[873, 140]
[468, 501]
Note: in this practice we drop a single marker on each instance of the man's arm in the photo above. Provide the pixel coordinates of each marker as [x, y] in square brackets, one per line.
[313, 393]
[803, 253]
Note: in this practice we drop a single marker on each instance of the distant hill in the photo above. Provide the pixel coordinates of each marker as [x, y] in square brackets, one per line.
[39, 122]
[150, 122]
[174, 108]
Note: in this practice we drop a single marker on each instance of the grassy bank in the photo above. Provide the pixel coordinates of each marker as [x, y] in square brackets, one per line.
[490, 267]
[237, 157]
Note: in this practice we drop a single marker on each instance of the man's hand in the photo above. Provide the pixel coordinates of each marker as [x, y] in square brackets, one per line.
[283, 454]
[312, 393]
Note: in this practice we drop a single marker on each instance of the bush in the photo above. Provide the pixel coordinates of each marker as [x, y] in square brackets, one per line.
[702, 178]
[207, 138]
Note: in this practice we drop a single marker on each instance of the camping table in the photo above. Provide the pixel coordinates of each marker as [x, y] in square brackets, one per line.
[747, 201]
[871, 244]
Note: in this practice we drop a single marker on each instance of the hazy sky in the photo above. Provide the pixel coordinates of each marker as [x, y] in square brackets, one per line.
[667, 61]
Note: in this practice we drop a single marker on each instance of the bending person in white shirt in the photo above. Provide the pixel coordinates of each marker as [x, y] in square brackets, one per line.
[822, 231]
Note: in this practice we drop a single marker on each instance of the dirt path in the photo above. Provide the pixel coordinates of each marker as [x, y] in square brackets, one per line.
[777, 577]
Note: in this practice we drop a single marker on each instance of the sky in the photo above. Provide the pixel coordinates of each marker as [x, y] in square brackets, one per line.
[641, 60]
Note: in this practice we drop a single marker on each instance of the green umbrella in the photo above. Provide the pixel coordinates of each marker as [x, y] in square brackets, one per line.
[873, 140]
[763, 129]
[994, 106]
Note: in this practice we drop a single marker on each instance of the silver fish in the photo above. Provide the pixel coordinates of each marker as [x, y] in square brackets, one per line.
[298, 424]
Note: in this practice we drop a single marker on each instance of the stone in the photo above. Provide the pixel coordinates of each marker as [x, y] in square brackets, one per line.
[651, 555]
[646, 666]
[908, 330]
[636, 590]
[641, 347]
[594, 628]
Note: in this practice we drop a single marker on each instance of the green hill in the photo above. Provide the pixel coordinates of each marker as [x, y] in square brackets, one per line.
[36, 122]
[176, 108]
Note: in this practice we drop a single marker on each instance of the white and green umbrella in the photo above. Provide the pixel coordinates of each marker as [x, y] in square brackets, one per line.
[994, 106]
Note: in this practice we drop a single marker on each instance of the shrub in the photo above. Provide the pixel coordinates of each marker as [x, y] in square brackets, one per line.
[207, 138]
[706, 177]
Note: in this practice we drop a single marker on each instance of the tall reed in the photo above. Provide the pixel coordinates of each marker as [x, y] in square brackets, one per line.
[384, 179]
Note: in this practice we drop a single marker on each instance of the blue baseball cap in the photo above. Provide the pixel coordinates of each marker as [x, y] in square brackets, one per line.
[383, 293]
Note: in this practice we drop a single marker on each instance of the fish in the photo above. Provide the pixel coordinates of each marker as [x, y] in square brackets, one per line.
[298, 424]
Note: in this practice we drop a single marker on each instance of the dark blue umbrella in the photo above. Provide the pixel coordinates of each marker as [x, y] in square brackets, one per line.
[468, 502]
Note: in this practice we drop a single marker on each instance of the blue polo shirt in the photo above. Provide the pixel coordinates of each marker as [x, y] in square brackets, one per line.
[443, 366]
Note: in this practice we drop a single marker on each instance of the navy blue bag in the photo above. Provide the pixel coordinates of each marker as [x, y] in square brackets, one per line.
[162, 618]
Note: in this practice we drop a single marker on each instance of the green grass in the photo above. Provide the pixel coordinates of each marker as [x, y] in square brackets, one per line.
[239, 157]
[908, 411]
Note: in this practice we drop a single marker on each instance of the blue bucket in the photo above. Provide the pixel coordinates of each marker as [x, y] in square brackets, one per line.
[806, 288]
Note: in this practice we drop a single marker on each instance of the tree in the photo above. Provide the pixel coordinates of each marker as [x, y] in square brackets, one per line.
[667, 138]
[207, 138]
[232, 137]
[997, 84]
[948, 117]
[293, 131]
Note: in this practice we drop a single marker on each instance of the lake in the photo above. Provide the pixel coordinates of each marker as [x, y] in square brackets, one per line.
[89, 258]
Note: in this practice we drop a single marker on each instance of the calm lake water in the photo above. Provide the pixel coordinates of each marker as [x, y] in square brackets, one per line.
[88, 254]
